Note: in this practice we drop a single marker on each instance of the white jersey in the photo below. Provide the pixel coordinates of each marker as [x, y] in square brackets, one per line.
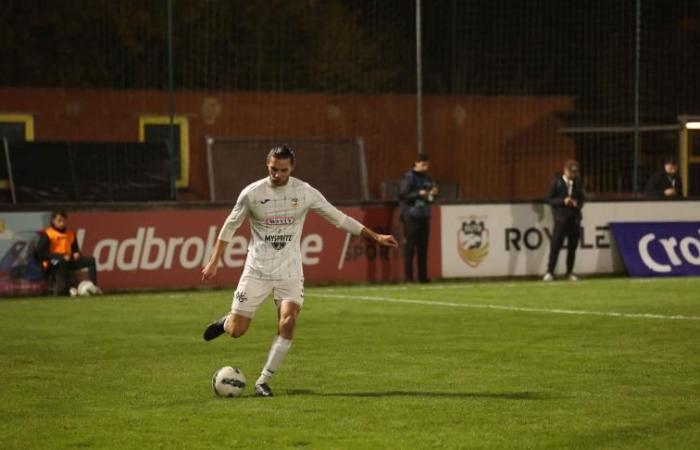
[277, 215]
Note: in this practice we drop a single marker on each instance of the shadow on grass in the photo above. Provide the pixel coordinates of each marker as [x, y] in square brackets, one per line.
[494, 395]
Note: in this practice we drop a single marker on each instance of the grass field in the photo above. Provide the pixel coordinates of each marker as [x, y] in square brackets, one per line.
[597, 364]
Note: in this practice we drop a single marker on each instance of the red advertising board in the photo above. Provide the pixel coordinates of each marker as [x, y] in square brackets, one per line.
[168, 248]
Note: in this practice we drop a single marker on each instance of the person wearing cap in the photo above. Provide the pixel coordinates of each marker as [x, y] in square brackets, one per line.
[416, 193]
[566, 198]
[665, 184]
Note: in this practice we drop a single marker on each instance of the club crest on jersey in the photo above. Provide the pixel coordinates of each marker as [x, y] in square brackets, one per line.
[295, 202]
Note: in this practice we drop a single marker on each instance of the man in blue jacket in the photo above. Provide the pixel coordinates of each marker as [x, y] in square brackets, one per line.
[565, 196]
[417, 192]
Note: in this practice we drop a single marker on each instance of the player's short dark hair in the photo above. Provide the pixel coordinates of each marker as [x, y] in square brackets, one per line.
[281, 152]
[670, 160]
[59, 212]
[422, 157]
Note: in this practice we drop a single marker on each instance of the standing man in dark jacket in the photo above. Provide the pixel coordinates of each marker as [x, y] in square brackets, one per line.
[417, 192]
[665, 184]
[565, 196]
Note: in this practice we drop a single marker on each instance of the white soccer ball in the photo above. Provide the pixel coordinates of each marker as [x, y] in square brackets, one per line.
[87, 288]
[228, 382]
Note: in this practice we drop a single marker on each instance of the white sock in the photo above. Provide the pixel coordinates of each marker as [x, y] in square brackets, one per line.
[278, 350]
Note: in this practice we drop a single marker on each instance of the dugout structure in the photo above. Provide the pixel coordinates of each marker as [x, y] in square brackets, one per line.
[50, 172]
[336, 167]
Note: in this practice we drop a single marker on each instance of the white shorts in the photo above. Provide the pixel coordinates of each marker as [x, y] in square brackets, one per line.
[252, 292]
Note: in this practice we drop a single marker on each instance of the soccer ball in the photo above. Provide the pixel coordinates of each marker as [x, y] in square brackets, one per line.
[87, 288]
[228, 382]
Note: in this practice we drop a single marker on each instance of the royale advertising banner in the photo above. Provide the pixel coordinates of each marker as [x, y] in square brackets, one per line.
[658, 248]
[514, 239]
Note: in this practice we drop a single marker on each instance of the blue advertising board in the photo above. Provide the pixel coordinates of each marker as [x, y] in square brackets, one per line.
[658, 248]
[20, 273]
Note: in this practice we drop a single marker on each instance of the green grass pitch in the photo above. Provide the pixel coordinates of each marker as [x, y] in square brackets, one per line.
[606, 363]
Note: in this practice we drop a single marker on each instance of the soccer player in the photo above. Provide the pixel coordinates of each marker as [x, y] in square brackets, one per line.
[276, 206]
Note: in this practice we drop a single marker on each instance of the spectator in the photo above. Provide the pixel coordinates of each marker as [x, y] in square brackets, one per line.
[665, 184]
[566, 198]
[58, 251]
[416, 193]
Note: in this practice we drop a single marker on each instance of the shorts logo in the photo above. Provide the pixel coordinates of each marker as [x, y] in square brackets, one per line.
[241, 297]
[473, 241]
[262, 202]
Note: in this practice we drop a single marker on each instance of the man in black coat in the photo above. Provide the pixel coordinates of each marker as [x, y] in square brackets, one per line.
[565, 196]
[665, 184]
[417, 192]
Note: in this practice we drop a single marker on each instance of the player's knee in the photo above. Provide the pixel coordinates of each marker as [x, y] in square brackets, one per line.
[287, 322]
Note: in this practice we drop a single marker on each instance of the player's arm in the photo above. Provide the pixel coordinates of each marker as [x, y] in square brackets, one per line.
[552, 196]
[210, 269]
[382, 239]
[75, 249]
[333, 215]
[231, 224]
[408, 192]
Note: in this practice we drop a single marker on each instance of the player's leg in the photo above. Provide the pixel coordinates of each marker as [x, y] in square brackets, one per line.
[573, 234]
[249, 295]
[558, 235]
[409, 247]
[289, 297]
[65, 281]
[234, 324]
[89, 263]
[423, 232]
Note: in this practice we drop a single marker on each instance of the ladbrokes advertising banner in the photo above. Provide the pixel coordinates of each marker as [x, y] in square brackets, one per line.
[167, 249]
[514, 239]
[659, 248]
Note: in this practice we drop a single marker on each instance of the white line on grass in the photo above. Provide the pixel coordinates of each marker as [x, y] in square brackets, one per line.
[506, 307]
[501, 285]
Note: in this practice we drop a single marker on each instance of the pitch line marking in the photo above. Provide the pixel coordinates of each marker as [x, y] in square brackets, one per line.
[507, 307]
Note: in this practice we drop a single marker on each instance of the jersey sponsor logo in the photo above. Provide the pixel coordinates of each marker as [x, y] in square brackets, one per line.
[473, 241]
[280, 220]
[262, 202]
[278, 241]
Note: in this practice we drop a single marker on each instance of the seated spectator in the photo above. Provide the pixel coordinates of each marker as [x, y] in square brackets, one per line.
[665, 184]
[58, 251]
